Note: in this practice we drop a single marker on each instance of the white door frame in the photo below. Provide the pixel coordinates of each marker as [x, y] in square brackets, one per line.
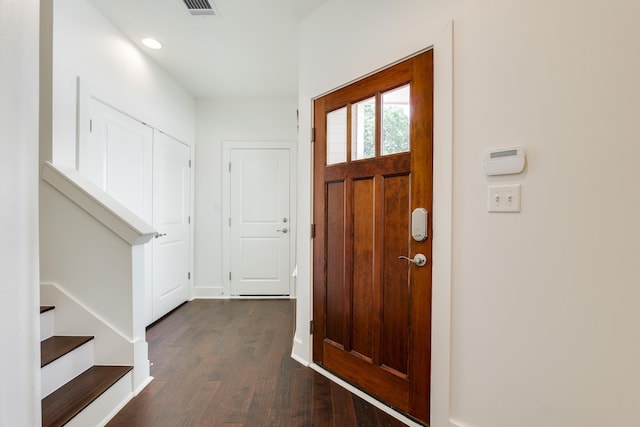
[227, 146]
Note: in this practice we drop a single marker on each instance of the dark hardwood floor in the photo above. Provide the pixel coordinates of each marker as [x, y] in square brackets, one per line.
[227, 363]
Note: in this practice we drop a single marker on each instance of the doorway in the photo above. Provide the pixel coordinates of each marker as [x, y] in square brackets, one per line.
[172, 219]
[257, 221]
[373, 171]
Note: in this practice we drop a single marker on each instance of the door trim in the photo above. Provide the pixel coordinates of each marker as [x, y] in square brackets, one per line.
[442, 229]
[227, 146]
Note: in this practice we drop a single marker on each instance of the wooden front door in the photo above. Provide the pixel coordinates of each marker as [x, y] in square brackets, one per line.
[372, 169]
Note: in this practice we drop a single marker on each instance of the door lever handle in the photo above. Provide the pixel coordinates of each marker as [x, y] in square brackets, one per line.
[283, 230]
[420, 260]
[159, 235]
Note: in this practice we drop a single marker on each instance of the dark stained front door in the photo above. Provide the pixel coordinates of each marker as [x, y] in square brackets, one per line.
[372, 168]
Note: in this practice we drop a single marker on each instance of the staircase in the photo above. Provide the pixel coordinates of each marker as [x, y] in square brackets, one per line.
[75, 392]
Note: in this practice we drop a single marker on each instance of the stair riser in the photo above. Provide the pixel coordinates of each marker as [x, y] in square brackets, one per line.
[105, 407]
[64, 369]
[46, 325]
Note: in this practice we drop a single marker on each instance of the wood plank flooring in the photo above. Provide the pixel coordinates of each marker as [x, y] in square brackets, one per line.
[226, 363]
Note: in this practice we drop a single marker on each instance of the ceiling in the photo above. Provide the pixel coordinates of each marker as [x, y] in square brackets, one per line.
[249, 49]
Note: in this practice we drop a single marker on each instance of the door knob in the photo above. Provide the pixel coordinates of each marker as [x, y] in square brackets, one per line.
[159, 235]
[283, 230]
[420, 260]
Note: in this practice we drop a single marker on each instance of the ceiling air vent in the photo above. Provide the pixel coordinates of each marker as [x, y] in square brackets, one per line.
[200, 7]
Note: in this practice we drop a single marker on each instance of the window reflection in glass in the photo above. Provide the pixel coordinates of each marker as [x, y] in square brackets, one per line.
[337, 136]
[363, 129]
[395, 120]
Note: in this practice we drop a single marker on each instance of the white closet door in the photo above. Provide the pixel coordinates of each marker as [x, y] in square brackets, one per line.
[117, 157]
[259, 223]
[171, 217]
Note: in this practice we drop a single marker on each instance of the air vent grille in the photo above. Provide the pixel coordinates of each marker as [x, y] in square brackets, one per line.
[200, 7]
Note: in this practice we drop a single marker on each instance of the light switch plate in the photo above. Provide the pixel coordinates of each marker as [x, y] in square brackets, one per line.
[504, 198]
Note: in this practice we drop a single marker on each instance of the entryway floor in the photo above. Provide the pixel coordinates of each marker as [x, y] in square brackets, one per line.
[227, 363]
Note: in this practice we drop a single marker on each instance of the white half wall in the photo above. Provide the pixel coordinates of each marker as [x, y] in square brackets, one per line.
[543, 302]
[19, 290]
[111, 68]
[218, 120]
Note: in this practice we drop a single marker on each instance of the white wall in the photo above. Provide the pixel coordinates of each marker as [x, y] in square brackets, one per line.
[115, 71]
[219, 120]
[20, 377]
[91, 58]
[544, 303]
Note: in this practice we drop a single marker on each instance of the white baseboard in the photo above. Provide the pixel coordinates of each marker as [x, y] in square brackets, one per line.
[299, 360]
[142, 386]
[210, 293]
[214, 292]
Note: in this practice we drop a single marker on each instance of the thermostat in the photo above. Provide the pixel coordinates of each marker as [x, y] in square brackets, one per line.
[504, 162]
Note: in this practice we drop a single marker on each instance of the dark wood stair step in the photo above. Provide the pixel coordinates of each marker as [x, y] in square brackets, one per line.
[57, 346]
[45, 308]
[62, 405]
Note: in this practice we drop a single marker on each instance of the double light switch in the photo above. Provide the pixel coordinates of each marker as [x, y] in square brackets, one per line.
[504, 198]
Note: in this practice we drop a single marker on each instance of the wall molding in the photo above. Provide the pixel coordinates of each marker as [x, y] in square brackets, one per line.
[88, 196]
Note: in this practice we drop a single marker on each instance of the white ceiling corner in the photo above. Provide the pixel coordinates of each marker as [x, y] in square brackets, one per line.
[250, 49]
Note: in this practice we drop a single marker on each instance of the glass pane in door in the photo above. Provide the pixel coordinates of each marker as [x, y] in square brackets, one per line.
[363, 129]
[337, 136]
[395, 120]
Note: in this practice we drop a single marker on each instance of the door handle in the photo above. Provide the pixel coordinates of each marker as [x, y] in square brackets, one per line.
[159, 235]
[283, 230]
[420, 260]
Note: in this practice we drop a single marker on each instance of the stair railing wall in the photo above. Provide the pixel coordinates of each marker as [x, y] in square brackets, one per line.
[92, 256]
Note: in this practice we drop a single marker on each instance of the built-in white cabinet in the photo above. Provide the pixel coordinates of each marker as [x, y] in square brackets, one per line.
[149, 173]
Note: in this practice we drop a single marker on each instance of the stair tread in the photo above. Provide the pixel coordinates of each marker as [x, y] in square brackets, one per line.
[69, 400]
[45, 308]
[57, 346]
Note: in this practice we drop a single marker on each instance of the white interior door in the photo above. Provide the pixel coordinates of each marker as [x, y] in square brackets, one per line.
[259, 221]
[117, 157]
[171, 218]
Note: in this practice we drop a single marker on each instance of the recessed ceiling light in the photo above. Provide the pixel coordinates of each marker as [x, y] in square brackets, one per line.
[151, 43]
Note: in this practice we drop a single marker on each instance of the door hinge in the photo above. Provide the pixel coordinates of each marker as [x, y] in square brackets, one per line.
[229, 276]
[313, 231]
[313, 134]
[229, 166]
[189, 276]
[189, 163]
[189, 219]
[90, 125]
[311, 327]
[229, 221]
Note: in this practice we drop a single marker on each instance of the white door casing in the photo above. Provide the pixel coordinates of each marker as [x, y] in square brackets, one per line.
[258, 219]
[171, 218]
